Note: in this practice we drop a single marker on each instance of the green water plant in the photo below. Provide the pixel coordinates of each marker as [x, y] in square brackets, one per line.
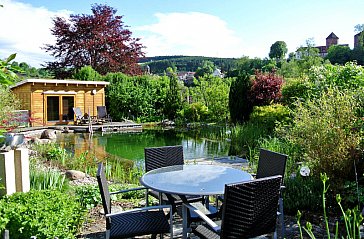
[352, 217]
[41, 179]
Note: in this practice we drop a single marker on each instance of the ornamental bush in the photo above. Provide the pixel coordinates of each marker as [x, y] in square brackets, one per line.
[44, 214]
[269, 115]
[266, 88]
[296, 89]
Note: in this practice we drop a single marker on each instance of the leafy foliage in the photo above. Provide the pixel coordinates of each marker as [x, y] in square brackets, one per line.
[87, 73]
[268, 116]
[140, 98]
[278, 50]
[206, 69]
[44, 214]
[213, 92]
[266, 88]
[338, 54]
[240, 106]
[8, 103]
[8, 71]
[302, 193]
[349, 76]
[173, 101]
[195, 112]
[100, 40]
[41, 179]
[297, 89]
[325, 129]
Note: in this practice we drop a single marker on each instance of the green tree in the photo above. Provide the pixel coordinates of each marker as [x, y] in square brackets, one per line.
[308, 56]
[173, 102]
[338, 54]
[278, 50]
[87, 73]
[206, 69]
[357, 54]
[240, 106]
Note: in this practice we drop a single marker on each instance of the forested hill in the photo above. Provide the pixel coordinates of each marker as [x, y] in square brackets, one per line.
[159, 64]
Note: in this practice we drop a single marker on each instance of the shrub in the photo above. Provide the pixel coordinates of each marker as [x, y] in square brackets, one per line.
[266, 88]
[267, 116]
[89, 196]
[326, 129]
[240, 106]
[195, 112]
[44, 214]
[302, 193]
[349, 76]
[296, 89]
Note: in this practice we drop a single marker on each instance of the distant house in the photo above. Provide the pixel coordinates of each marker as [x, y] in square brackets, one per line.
[218, 73]
[186, 76]
[357, 39]
[50, 102]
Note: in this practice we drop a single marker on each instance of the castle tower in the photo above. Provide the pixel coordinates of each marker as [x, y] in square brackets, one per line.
[332, 39]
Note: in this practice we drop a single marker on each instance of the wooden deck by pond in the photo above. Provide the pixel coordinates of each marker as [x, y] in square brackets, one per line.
[107, 127]
[128, 126]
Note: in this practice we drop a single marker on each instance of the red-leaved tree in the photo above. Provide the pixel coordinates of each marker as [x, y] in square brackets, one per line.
[100, 40]
[266, 88]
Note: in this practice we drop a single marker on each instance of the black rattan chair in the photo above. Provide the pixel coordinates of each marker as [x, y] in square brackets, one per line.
[249, 210]
[270, 164]
[158, 157]
[102, 115]
[135, 222]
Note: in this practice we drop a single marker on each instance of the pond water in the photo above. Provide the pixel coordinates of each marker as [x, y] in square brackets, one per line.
[131, 145]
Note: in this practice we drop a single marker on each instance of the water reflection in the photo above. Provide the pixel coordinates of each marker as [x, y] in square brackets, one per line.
[131, 145]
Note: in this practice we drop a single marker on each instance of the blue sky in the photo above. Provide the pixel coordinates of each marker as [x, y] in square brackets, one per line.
[230, 28]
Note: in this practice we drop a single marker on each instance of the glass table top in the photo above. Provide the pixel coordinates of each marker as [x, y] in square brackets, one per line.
[193, 179]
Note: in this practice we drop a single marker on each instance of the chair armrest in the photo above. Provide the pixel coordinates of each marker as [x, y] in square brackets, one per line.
[141, 209]
[128, 190]
[211, 223]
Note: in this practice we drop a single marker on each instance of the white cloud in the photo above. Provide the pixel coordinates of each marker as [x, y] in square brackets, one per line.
[25, 31]
[191, 33]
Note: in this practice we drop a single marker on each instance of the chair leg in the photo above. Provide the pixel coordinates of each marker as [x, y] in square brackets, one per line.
[146, 198]
[281, 217]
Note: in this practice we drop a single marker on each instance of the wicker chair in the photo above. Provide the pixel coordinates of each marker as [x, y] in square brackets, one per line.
[157, 157]
[270, 164]
[135, 222]
[102, 115]
[249, 210]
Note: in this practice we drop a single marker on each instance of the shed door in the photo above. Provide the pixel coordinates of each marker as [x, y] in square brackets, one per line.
[52, 108]
[59, 108]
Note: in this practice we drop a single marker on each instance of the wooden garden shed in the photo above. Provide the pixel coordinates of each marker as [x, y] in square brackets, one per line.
[51, 102]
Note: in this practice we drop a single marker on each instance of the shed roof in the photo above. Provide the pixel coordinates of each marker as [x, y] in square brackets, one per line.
[52, 81]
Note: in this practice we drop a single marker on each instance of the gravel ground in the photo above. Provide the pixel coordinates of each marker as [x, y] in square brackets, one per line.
[94, 227]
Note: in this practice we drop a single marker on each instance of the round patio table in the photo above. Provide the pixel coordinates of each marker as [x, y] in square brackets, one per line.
[193, 179]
